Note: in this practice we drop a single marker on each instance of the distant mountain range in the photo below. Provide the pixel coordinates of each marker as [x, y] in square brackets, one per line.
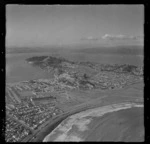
[123, 50]
[29, 50]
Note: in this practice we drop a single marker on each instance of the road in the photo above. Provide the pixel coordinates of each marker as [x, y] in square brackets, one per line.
[48, 126]
[57, 119]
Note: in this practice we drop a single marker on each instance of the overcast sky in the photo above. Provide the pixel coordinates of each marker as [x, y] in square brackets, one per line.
[68, 25]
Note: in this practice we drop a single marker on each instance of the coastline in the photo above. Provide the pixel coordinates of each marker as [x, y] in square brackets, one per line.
[114, 106]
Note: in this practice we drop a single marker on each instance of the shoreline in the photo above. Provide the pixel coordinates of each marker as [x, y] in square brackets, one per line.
[114, 108]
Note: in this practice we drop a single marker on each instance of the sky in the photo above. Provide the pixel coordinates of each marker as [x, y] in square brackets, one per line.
[49, 25]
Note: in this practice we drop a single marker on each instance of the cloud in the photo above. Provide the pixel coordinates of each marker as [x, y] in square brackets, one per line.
[114, 38]
[90, 38]
[121, 37]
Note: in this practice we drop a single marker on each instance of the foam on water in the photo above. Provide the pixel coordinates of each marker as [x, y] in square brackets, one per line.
[81, 122]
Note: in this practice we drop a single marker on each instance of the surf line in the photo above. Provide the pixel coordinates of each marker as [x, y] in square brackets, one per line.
[74, 120]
